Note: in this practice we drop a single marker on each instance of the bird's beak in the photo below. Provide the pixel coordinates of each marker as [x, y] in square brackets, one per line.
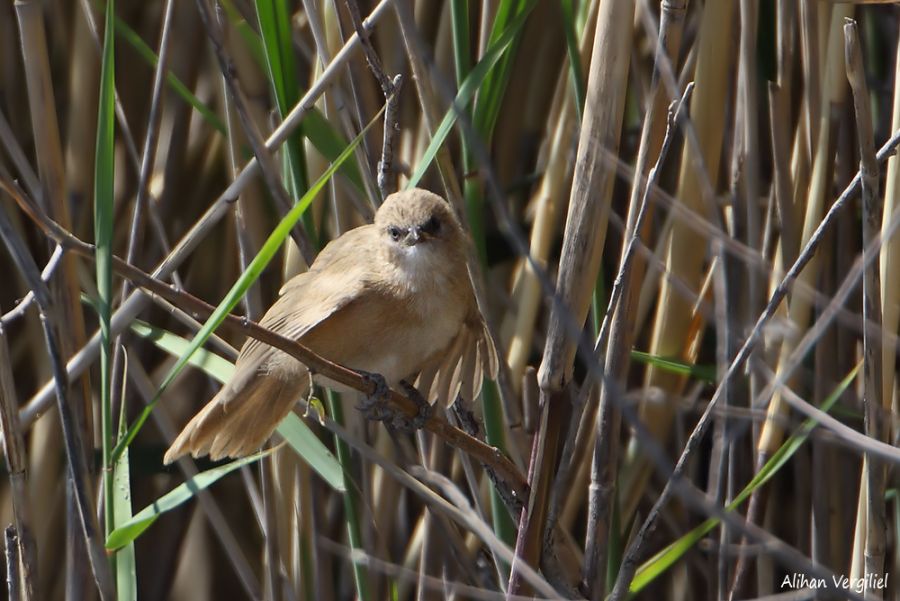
[413, 237]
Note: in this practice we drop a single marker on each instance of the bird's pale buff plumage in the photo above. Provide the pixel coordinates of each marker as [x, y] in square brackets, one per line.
[392, 298]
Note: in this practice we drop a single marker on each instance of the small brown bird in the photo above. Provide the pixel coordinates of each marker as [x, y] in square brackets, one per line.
[391, 298]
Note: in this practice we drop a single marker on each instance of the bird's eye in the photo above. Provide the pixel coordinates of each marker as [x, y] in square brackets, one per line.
[394, 232]
[432, 226]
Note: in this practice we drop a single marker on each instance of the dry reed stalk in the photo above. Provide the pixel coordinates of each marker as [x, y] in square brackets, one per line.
[250, 202]
[799, 305]
[255, 87]
[874, 471]
[214, 30]
[81, 132]
[65, 289]
[335, 107]
[657, 122]
[547, 204]
[890, 264]
[81, 508]
[684, 256]
[431, 113]
[579, 265]
[780, 94]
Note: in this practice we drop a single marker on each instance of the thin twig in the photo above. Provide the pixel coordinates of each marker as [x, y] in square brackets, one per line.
[463, 515]
[391, 90]
[26, 301]
[341, 108]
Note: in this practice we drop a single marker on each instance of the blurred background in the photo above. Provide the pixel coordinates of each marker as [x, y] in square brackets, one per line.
[637, 177]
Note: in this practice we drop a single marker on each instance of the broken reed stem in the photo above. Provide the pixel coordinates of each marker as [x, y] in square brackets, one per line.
[617, 324]
[391, 90]
[875, 475]
[13, 575]
[492, 457]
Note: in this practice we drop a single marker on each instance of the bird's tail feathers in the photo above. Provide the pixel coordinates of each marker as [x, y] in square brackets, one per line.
[238, 426]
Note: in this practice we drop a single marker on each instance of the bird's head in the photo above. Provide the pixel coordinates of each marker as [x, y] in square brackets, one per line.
[416, 222]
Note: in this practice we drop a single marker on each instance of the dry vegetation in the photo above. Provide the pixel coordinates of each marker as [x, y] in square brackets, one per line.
[695, 292]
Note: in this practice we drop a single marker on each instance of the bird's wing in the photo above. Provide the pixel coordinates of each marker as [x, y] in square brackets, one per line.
[248, 407]
[304, 302]
[460, 370]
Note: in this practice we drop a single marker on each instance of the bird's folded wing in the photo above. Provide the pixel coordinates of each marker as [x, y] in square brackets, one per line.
[305, 301]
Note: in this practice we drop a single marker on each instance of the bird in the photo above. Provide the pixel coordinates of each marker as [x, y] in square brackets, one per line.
[391, 298]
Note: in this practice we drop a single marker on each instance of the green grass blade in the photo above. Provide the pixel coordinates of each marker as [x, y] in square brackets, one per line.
[663, 560]
[462, 59]
[329, 142]
[116, 480]
[126, 568]
[706, 373]
[274, 26]
[490, 95]
[352, 498]
[576, 73]
[293, 429]
[127, 532]
[104, 199]
[209, 362]
[305, 442]
[465, 94]
[495, 433]
[315, 127]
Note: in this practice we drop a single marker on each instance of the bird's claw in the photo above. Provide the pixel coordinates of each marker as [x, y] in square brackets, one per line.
[376, 405]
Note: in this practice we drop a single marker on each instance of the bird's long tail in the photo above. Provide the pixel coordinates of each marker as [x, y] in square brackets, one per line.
[238, 426]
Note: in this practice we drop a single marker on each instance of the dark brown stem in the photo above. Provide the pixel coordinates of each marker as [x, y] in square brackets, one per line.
[16, 460]
[875, 475]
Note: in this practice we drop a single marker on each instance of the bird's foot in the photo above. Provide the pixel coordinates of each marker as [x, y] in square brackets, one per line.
[376, 406]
